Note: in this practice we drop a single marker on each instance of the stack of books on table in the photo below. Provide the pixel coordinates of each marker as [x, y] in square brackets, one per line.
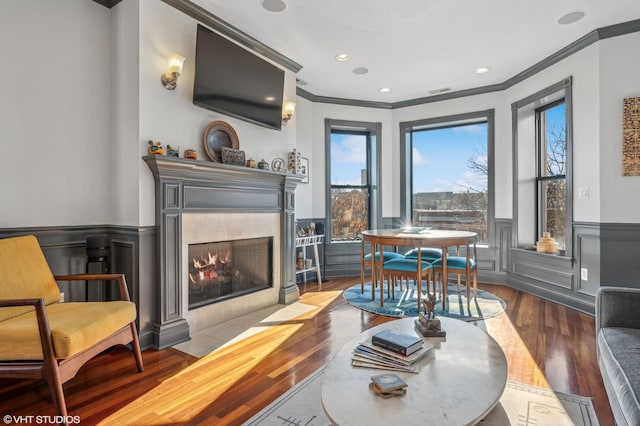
[390, 350]
[388, 385]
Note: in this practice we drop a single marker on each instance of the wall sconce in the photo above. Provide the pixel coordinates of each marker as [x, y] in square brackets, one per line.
[170, 79]
[287, 113]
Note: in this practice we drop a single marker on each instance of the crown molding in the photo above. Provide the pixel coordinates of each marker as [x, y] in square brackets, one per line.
[583, 42]
[207, 18]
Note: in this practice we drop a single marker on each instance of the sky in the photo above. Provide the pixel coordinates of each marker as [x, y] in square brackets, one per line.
[440, 157]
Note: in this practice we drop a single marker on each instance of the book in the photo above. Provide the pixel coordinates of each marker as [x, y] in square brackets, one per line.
[396, 341]
[386, 395]
[373, 365]
[394, 356]
[388, 382]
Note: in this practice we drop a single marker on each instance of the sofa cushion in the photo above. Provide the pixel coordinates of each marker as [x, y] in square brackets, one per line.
[74, 327]
[24, 274]
[619, 350]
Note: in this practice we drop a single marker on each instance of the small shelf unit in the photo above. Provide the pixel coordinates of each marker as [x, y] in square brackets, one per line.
[309, 241]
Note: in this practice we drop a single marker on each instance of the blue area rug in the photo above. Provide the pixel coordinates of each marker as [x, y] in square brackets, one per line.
[405, 303]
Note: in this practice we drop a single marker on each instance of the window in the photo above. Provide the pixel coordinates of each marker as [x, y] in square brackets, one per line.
[542, 153]
[353, 176]
[448, 173]
[551, 177]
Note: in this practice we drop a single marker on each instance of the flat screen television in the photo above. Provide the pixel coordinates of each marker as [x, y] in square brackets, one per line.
[235, 82]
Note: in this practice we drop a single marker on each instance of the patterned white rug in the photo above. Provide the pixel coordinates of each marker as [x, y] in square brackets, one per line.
[520, 405]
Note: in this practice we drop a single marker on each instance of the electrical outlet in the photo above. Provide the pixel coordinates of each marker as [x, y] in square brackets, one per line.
[584, 274]
[583, 193]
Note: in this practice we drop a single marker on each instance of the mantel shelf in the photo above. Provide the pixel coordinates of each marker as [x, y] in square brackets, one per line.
[163, 166]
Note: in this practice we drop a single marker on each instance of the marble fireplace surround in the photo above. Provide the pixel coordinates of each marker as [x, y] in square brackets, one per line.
[190, 193]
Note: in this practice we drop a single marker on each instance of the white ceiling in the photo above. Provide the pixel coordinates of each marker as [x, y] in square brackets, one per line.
[415, 46]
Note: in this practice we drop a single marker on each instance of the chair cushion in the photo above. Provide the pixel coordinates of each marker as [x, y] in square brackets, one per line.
[455, 262]
[24, 274]
[404, 265]
[75, 326]
[386, 255]
[428, 254]
[619, 350]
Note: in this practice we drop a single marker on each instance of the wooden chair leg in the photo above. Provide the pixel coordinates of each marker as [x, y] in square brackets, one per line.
[52, 376]
[475, 283]
[136, 348]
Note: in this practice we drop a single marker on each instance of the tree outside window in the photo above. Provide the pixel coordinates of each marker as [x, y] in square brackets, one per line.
[551, 178]
[449, 177]
[353, 203]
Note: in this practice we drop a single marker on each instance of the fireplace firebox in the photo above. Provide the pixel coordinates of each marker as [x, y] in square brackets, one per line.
[225, 269]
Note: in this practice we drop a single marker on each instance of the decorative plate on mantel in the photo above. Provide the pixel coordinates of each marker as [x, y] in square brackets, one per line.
[219, 134]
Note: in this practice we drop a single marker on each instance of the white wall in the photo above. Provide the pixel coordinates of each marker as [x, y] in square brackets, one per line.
[603, 74]
[310, 198]
[125, 106]
[170, 116]
[55, 113]
[619, 79]
[84, 98]
[583, 67]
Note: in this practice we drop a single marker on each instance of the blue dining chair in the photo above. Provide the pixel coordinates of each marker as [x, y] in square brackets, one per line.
[407, 269]
[426, 253]
[366, 262]
[459, 265]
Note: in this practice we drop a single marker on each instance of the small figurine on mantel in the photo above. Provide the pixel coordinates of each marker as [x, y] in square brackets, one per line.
[190, 154]
[155, 148]
[173, 152]
[427, 324]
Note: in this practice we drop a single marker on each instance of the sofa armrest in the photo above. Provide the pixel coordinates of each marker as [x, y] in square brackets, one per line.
[617, 307]
[122, 282]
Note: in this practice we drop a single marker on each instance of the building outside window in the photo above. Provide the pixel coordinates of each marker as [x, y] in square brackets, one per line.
[448, 173]
[353, 179]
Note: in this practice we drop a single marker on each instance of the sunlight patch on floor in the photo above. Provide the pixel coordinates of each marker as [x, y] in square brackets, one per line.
[183, 395]
[519, 366]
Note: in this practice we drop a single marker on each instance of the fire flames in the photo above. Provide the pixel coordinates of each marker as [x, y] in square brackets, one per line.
[209, 268]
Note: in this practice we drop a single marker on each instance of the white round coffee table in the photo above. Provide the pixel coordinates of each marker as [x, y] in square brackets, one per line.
[461, 379]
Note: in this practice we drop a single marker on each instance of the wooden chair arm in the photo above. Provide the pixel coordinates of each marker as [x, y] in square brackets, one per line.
[122, 282]
[43, 327]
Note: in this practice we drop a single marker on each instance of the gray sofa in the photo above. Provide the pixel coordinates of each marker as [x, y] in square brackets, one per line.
[618, 348]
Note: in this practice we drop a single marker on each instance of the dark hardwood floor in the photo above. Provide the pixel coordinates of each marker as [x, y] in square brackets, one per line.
[546, 345]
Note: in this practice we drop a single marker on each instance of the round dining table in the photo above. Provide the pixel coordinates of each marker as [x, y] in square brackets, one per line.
[417, 237]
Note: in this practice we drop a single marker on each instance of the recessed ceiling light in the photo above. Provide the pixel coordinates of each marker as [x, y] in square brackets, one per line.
[482, 70]
[572, 17]
[274, 5]
[385, 90]
[360, 70]
[342, 57]
[270, 98]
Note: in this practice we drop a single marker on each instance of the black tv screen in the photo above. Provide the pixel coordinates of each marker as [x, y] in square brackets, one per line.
[233, 81]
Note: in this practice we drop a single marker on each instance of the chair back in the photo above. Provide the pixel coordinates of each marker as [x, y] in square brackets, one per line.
[24, 274]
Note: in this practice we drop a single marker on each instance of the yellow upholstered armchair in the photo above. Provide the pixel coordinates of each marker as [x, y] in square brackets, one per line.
[43, 338]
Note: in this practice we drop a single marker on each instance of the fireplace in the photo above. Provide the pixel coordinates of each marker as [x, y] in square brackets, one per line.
[198, 202]
[225, 269]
